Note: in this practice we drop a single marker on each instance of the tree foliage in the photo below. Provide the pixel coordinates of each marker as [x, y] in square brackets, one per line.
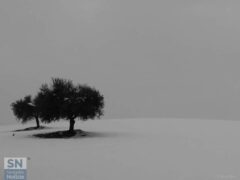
[64, 100]
[25, 110]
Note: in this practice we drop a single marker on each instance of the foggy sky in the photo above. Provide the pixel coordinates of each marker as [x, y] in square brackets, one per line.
[168, 58]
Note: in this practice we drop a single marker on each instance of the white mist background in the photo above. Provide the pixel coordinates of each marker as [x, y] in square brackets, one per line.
[150, 58]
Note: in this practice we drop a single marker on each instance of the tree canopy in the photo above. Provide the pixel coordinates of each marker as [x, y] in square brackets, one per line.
[61, 99]
[25, 110]
[64, 100]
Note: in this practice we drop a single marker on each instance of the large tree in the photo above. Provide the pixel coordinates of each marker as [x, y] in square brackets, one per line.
[64, 100]
[25, 110]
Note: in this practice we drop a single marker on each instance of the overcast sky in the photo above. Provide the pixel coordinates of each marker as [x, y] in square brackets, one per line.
[166, 58]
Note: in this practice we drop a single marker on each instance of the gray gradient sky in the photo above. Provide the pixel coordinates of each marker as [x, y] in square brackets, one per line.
[167, 58]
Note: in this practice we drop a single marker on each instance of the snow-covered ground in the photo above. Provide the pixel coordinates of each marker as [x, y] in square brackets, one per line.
[131, 149]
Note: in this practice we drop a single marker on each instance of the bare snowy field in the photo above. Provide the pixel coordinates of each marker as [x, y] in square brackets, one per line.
[133, 149]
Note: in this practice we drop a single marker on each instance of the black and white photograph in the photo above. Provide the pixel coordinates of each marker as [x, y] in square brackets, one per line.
[119, 90]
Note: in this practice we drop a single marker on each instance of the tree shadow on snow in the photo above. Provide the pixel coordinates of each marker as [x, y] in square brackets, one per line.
[31, 129]
[77, 134]
[61, 134]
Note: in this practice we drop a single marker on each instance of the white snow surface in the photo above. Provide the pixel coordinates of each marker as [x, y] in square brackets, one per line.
[130, 149]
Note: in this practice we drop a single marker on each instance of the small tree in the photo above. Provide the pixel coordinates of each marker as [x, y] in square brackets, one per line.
[64, 100]
[25, 110]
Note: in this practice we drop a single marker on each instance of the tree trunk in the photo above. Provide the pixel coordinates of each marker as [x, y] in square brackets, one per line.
[71, 127]
[37, 121]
